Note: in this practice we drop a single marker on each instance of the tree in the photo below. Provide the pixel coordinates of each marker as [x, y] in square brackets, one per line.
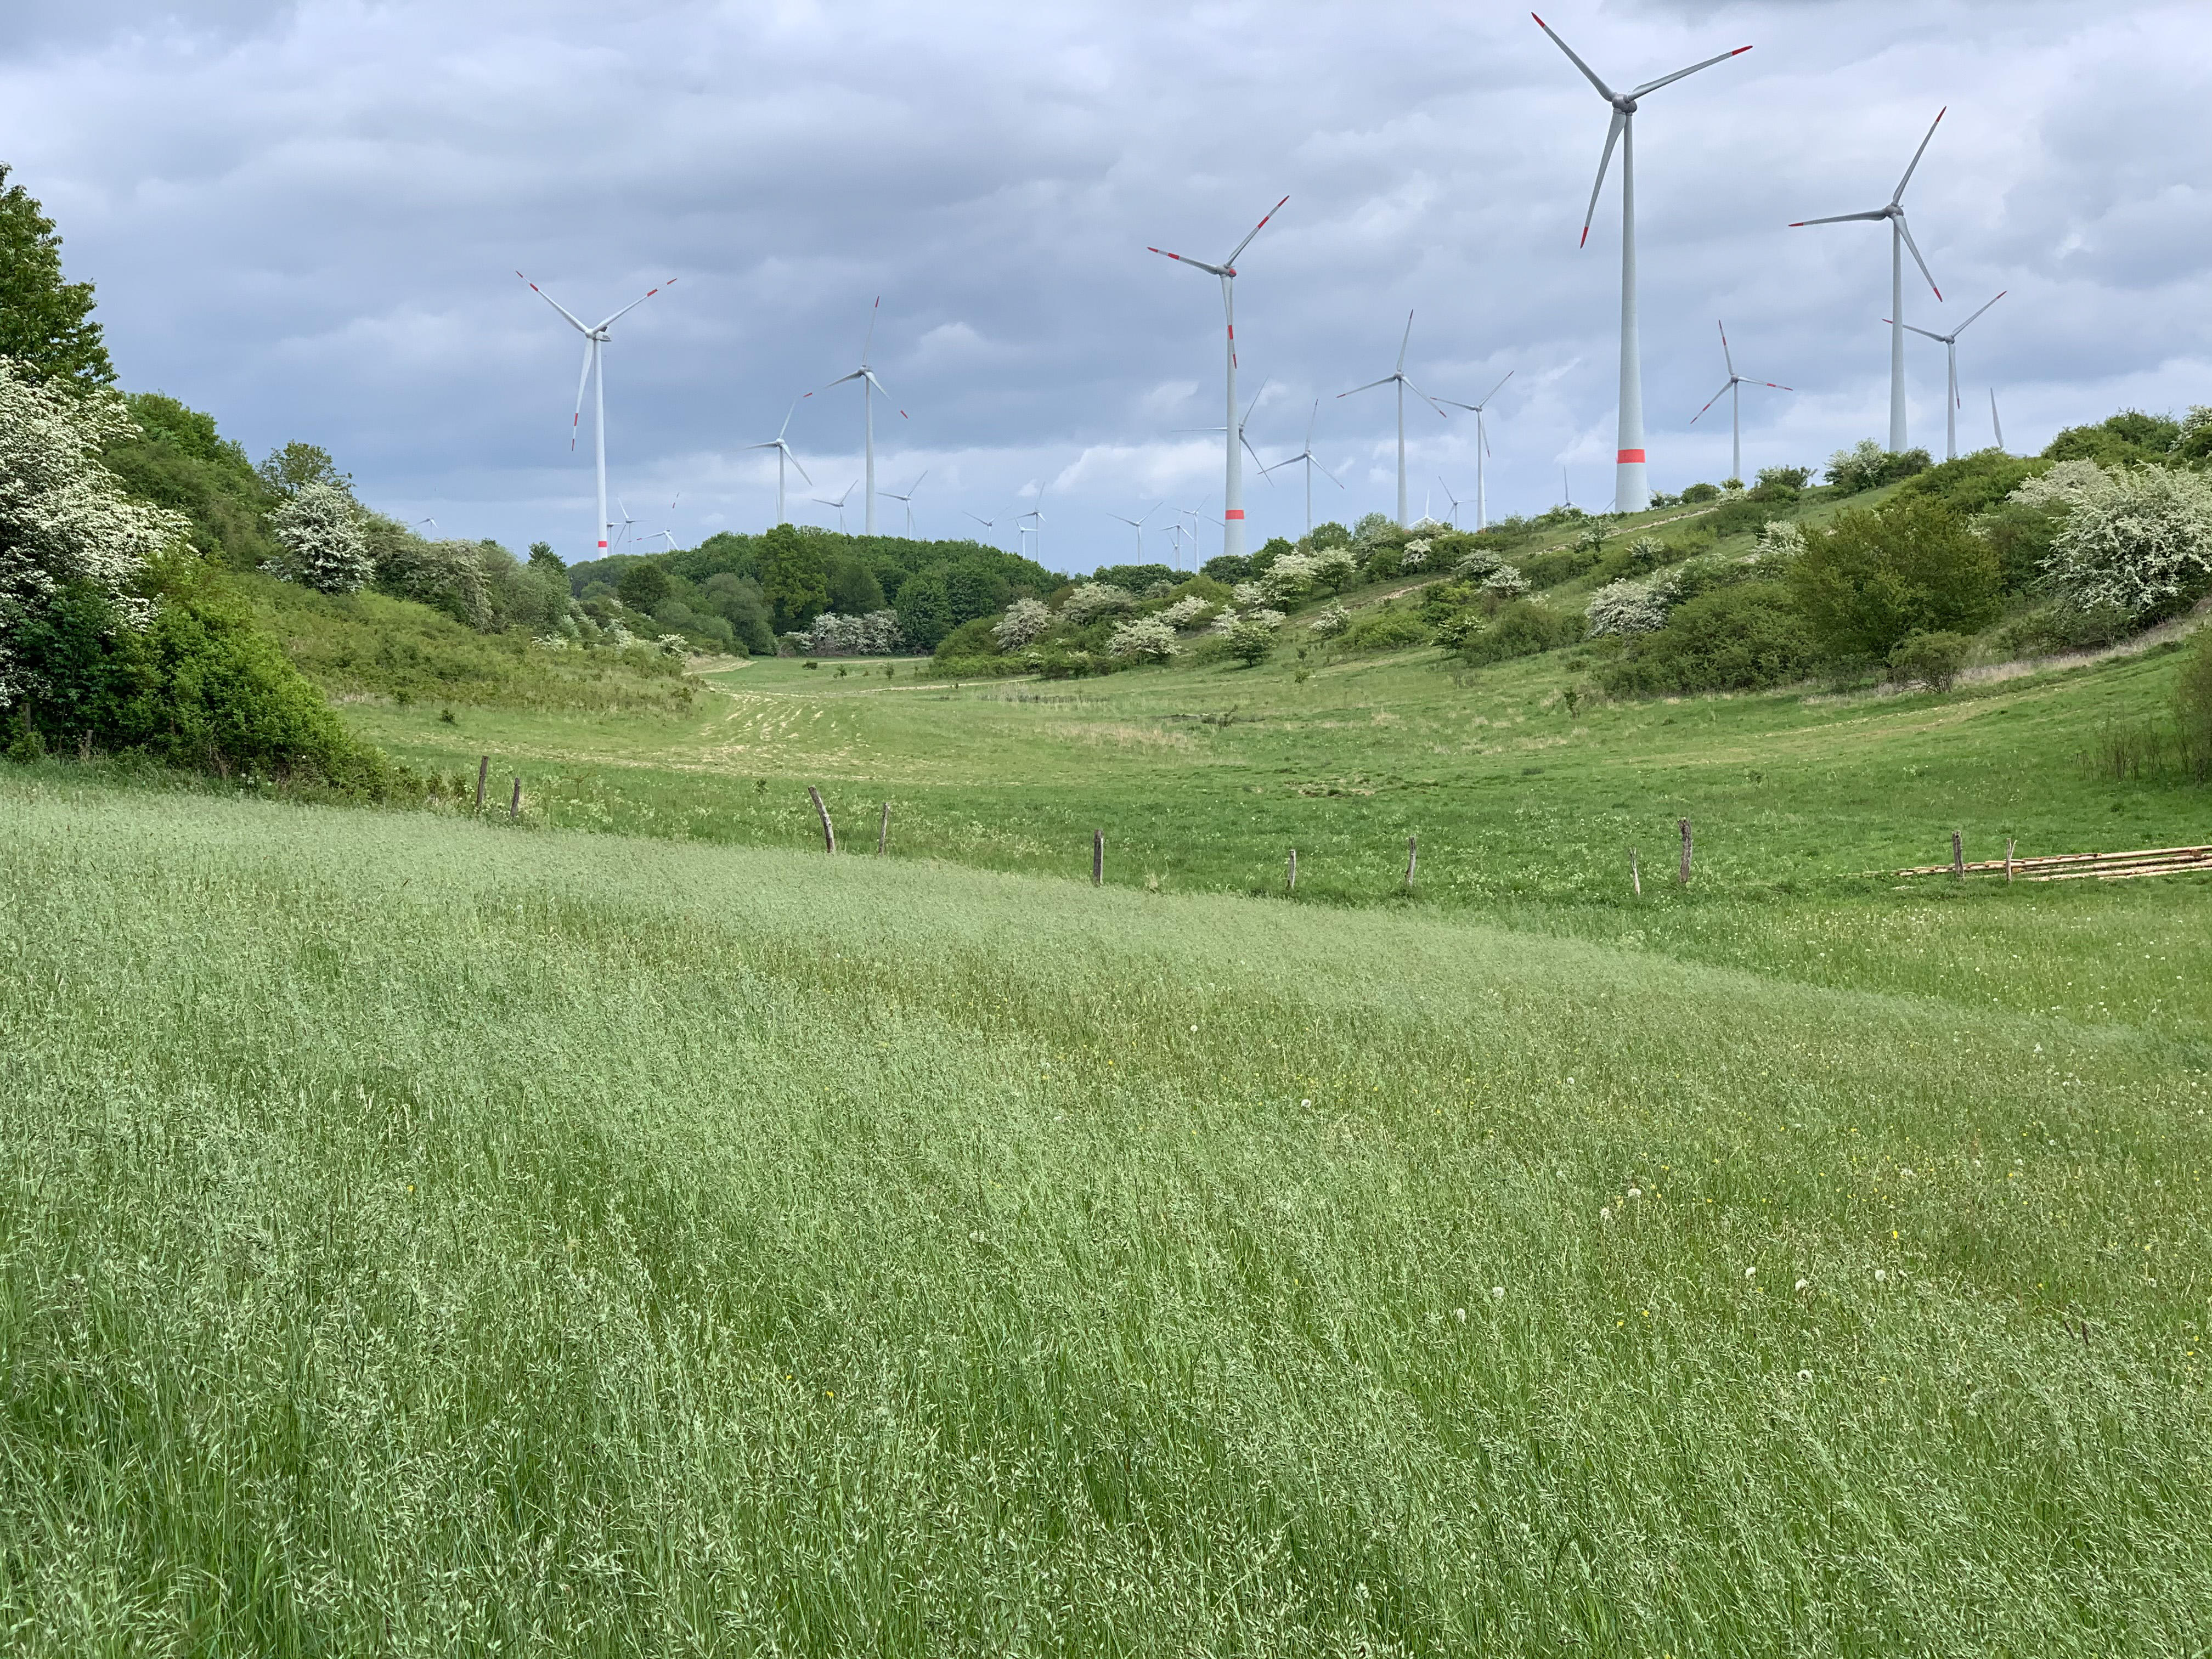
[643, 587]
[1872, 578]
[795, 581]
[2129, 435]
[1025, 619]
[546, 561]
[289, 469]
[46, 323]
[324, 548]
[2139, 538]
[851, 586]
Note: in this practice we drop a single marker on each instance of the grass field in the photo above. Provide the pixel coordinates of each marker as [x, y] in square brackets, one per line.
[425, 1237]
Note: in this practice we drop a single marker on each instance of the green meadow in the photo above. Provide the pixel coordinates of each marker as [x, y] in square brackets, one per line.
[630, 1230]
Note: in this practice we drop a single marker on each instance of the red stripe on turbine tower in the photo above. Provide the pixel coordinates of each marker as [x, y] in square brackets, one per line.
[1233, 512]
[1627, 455]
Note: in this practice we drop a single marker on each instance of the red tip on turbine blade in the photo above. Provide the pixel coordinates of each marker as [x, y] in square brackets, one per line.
[1540, 22]
[903, 414]
[1585, 240]
[1797, 224]
[1740, 51]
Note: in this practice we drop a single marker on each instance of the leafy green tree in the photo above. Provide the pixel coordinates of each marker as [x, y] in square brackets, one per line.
[46, 323]
[925, 609]
[852, 588]
[546, 561]
[793, 577]
[2129, 435]
[177, 459]
[1870, 579]
[290, 469]
[643, 587]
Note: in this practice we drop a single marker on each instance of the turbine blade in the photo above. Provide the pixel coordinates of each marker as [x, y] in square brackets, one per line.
[1775, 386]
[635, 303]
[1669, 80]
[583, 375]
[1727, 356]
[1330, 476]
[1494, 391]
[1404, 340]
[795, 466]
[1715, 398]
[1917, 155]
[787, 414]
[1906, 231]
[1426, 398]
[1612, 137]
[1961, 328]
[582, 326]
[1589, 73]
[1311, 419]
[1929, 333]
[1839, 219]
[1370, 386]
[1184, 259]
[869, 338]
[1255, 454]
[1230, 264]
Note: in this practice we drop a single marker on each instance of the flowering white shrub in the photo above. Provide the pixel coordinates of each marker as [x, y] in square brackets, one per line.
[1245, 595]
[1142, 636]
[1261, 616]
[1625, 608]
[1288, 578]
[1025, 619]
[324, 548]
[1374, 527]
[1479, 562]
[1507, 580]
[1334, 566]
[1783, 539]
[1427, 527]
[1095, 599]
[551, 642]
[673, 645]
[878, 634]
[1186, 611]
[1415, 555]
[63, 516]
[1332, 621]
[2138, 538]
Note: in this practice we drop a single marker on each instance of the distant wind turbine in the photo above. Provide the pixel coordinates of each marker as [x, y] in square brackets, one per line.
[595, 336]
[1397, 377]
[1036, 527]
[1481, 450]
[839, 503]
[1950, 343]
[1734, 388]
[869, 387]
[1995, 425]
[1138, 525]
[1631, 486]
[783, 453]
[1232, 493]
[987, 524]
[433, 523]
[1311, 461]
[907, 499]
[1900, 238]
[1455, 502]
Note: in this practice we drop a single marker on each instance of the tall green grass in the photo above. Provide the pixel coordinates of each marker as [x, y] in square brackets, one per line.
[417, 1236]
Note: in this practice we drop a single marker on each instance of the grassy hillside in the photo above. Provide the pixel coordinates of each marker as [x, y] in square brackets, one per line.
[424, 1236]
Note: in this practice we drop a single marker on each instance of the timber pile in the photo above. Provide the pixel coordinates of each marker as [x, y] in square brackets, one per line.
[2076, 866]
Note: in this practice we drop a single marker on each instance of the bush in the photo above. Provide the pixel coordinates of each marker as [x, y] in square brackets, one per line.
[1931, 660]
[1227, 567]
[1382, 630]
[2138, 537]
[1870, 579]
[1732, 639]
[642, 587]
[2129, 437]
[1142, 639]
[1550, 569]
[1251, 637]
[1973, 483]
[1868, 465]
[320, 530]
[1520, 629]
[1700, 492]
[1627, 607]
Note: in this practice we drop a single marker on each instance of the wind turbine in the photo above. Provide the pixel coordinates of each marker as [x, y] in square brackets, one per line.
[1138, 525]
[783, 453]
[1900, 238]
[1995, 425]
[1312, 461]
[595, 336]
[869, 387]
[433, 523]
[907, 499]
[1232, 496]
[839, 503]
[1481, 452]
[626, 522]
[1036, 528]
[1951, 380]
[1397, 376]
[987, 524]
[1631, 486]
[1734, 388]
[1455, 502]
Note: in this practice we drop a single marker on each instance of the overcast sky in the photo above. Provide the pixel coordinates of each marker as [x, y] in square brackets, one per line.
[306, 219]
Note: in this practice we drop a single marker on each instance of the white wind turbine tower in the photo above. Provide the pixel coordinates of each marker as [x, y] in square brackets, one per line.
[907, 499]
[869, 387]
[595, 336]
[1900, 238]
[1311, 461]
[1397, 376]
[1951, 381]
[824, 500]
[1232, 499]
[1481, 452]
[783, 453]
[1734, 388]
[1632, 485]
[1138, 525]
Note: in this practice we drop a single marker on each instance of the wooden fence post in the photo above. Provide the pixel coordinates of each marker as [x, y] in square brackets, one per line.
[483, 770]
[829, 834]
[1292, 885]
[1958, 857]
[514, 804]
[1684, 877]
[1412, 852]
[1097, 857]
[884, 832]
[2008, 847]
[1635, 879]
